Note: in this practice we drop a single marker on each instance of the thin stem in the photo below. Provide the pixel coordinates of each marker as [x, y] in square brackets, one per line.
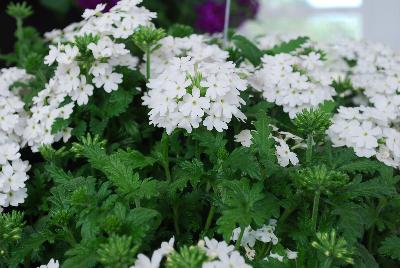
[265, 248]
[239, 238]
[370, 237]
[137, 203]
[148, 53]
[315, 210]
[309, 151]
[287, 213]
[327, 263]
[165, 162]
[381, 205]
[176, 217]
[69, 237]
[20, 36]
[166, 171]
[209, 218]
[226, 21]
[197, 149]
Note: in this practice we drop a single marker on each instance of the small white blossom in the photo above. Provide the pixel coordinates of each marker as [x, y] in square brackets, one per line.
[244, 138]
[52, 264]
[284, 155]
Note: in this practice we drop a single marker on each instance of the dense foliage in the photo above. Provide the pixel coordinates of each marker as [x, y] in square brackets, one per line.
[256, 154]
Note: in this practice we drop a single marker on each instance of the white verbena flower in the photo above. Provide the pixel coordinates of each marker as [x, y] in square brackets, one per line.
[189, 93]
[52, 264]
[244, 138]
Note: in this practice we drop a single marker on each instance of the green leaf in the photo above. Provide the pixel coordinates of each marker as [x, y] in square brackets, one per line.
[82, 255]
[263, 143]
[80, 129]
[364, 258]
[351, 220]
[30, 244]
[58, 174]
[187, 172]
[97, 126]
[117, 103]
[361, 166]
[390, 247]
[287, 47]
[248, 49]
[59, 125]
[134, 159]
[243, 205]
[241, 159]
[213, 143]
[377, 187]
[120, 173]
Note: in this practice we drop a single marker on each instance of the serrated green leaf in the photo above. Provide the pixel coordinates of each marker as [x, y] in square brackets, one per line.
[243, 205]
[351, 220]
[390, 247]
[82, 255]
[376, 187]
[361, 166]
[59, 125]
[287, 47]
[32, 243]
[242, 160]
[248, 49]
[117, 103]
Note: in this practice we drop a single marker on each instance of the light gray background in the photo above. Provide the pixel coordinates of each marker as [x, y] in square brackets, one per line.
[375, 20]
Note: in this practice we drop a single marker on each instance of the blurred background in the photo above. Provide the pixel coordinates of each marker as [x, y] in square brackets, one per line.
[375, 20]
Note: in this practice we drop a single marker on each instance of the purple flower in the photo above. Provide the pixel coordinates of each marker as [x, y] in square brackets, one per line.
[91, 4]
[210, 16]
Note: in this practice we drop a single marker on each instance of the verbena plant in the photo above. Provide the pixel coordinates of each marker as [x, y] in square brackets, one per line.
[116, 136]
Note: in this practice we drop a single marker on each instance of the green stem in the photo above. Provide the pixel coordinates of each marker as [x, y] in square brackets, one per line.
[239, 238]
[309, 151]
[265, 248]
[327, 263]
[20, 36]
[381, 205]
[370, 237]
[148, 53]
[176, 217]
[288, 211]
[27, 261]
[137, 202]
[69, 237]
[165, 161]
[315, 210]
[197, 149]
[209, 219]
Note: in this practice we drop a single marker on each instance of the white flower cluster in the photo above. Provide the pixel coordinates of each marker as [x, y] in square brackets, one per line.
[154, 262]
[374, 71]
[194, 46]
[265, 235]
[77, 80]
[188, 93]
[220, 255]
[13, 172]
[52, 264]
[294, 82]
[120, 22]
[283, 153]
[368, 131]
